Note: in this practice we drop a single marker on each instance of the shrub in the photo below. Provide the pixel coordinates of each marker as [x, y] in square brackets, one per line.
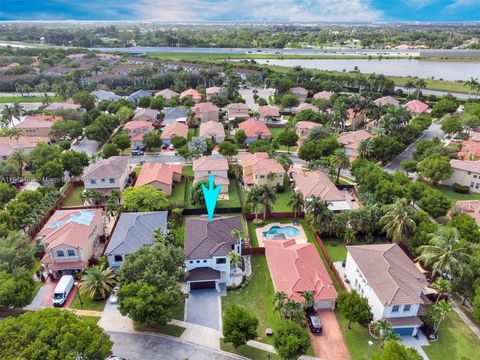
[461, 189]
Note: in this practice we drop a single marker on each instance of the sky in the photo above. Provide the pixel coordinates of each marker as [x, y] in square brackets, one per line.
[242, 10]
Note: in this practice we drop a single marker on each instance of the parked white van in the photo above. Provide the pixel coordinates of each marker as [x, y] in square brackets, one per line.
[62, 290]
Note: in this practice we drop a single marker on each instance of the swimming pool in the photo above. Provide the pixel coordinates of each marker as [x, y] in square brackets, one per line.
[288, 231]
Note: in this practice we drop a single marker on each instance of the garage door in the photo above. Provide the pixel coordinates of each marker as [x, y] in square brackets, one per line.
[323, 304]
[202, 285]
[404, 331]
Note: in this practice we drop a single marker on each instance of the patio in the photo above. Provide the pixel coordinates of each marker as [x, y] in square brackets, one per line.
[300, 238]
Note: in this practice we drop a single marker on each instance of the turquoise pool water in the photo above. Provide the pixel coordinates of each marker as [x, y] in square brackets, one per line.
[289, 231]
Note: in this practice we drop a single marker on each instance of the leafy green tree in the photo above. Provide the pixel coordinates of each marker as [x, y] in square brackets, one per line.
[16, 252]
[196, 196]
[74, 162]
[285, 161]
[144, 102]
[452, 125]
[7, 193]
[227, 149]
[144, 198]
[110, 150]
[476, 305]
[435, 168]
[58, 334]
[157, 103]
[354, 307]
[291, 340]
[51, 171]
[152, 140]
[466, 226]
[85, 100]
[178, 141]
[239, 326]
[16, 289]
[122, 141]
[398, 221]
[392, 350]
[309, 151]
[97, 282]
[288, 100]
[42, 154]
[240, 137]
[124, 114]
[410, 166]
[62, 128]
[7, 169]
[259, 146]
[310, 115]
[434, 203]
[288, 138]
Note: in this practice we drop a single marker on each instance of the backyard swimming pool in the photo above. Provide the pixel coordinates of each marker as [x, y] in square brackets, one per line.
[289, 231]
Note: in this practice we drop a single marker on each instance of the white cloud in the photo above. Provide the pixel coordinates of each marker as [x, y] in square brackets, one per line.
[457, 5]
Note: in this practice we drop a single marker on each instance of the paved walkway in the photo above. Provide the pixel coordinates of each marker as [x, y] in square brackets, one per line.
[466, 319]
[417, 343]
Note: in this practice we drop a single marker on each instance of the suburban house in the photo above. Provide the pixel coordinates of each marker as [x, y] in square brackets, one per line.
[37, 125]
[259, 169]
[62, 106]
[350, 141]
[355, 118]
[317, 183]
[237, 111]
[394, 286]
[416, 106]
[160, 176]
[137, 95]
[296, 268]
[304, 129]
[172, 130]
[146, 115]
[107, 174]
[136, 129]
[466, 173]
[133, 231]
[194, 94]
[69, 239]
[255, 130]
[212, 130]
[323, 95]
[8, 145]
[207, 245]
[268, 113]
[387, 100]
[173, 115]
[470, 148]
[167, 94]
[300, 92]
[212, 91]
[102, 95]
[205, 112]
[217, 166]
[470, 208]
[305, 106]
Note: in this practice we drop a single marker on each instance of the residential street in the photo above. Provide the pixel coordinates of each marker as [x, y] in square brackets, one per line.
[247, 94]
[87, 146]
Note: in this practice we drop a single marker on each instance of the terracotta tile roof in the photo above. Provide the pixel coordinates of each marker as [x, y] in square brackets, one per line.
[205, 107]
[211, 128]
[50, 118]
[307, 125]
[69, 227]
[416, 106]
[163, 173]
[113, 167]
[205, 239]
[466, 165]
[351, 139]
[393, 277]
[387, 100]
[261, 164]
[296, 268]
[316, 183]
[299, 90]
[469, 147]
[191, 92]
[138, 124]
[213, 90]
[475, 136]
[167, 94]
[9, 145]
[471, 208]
[146, 114]
[175, 129]
[323, 95]
[305, 106]
[254, 128]
[238, 106]
[62, 106]
[268, 111]
[210, 163]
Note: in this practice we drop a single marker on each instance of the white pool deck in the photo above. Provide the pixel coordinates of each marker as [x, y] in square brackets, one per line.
[301, 238]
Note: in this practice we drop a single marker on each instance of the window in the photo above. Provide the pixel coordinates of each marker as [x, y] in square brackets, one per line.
[93, 181]
[262, 176]
[103, 180]
[475, 176]
[395, 308]
[221, 261]
[112, 181]
[118, 258]
[198, 261]
[204, 261]
[406, 308]
[60, 253]
[70, 252]
[472, 184]
[469, 173]
[191, 261]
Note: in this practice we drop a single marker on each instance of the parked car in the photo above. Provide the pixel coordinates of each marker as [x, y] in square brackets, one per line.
[314, 322]
[80, 138]
[140, 147]
[171, 147]
[113, 295]
[136, 152]
[62, 290]
[164, 146]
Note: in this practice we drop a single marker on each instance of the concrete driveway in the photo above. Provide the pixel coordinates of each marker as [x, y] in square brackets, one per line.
[330, 345]
[203, 308]
[87, 146]
[149, 346]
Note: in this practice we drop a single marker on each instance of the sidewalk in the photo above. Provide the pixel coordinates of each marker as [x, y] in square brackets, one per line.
[465, 318]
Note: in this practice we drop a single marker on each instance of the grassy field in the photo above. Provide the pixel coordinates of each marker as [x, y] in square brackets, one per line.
[169, 329]
[25, 99]
[91, 320]
[177, 199]
[187, 170]
[248, 351]
[335, 248]
[454, 196]
[233, 201]
[281, 205]
[87, 304]
[74, 198]
[179, 311]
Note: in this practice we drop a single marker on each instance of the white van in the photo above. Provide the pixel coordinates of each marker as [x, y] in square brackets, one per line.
[62, 290]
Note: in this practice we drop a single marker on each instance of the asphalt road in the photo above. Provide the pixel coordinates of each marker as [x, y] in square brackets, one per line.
[163, 158]
[87, 146]
[155, 347]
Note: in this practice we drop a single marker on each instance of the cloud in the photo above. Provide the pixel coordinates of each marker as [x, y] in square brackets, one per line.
[458, 5]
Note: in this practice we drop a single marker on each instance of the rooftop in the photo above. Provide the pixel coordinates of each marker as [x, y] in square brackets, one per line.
[162, 173]
[113, 167]
[254, 128]
[210, 163]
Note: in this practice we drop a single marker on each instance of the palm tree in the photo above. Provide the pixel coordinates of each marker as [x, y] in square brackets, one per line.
[339, 160]
[319, 211]
[235, 259]
[8, 113]
[473, 85]
[296, 202]
[385, 330]
[365, 149]
[93, 196]
[18, 110]
[292, 310]
[237, 234]
[18, 158]
[441, 309]
[409, 85]
[267, 198]
[420, 84]
[443, 287]
[278, 301]
[444, 254]
[97, 281]
[14, 133]
[253, 198]
[308, 299]
[398, 220]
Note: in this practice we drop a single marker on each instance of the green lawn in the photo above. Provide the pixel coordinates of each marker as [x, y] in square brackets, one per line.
[233, 201]
[25, 99]
[169, 329]
[74, 198]
[187, 170]
[191, 133]
[281, 205]
[87, 304]
[179, 311]
[91, 320]
[275, 133]
[177, 199]
[455, 339]
[454, 196]
[335, 248]
[248, 351]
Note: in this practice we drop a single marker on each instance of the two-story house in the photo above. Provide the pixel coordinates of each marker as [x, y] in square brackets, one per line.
[172, 130]
[350, 140]
[214, 165]
[69, 239]
[207, 245]
[205, 112]
[259, 169]
[300, 92]
[394, 286]
[466, 173]
[107, 174]
[37, 125]
[254, 130]
[269, 113]
[237, 111]
[8, 145]
[136, 129]
[213, 130]
[304, 129]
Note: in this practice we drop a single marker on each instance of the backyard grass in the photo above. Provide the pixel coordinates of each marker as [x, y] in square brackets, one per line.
[74, 198]
[247, 351]
[275, 133]
[454, 196]
[233, 197]
[169, 329]
[91, 320]
[335, 248]
[191, 133]
[177, 199]
[187, 170]
[87, 304]
[281, 205]
[455, 339]
[25, 99]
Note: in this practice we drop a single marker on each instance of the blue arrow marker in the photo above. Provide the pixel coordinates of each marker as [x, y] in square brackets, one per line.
[211, 196]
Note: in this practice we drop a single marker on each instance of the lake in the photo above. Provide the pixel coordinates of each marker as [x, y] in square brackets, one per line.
[446, 70]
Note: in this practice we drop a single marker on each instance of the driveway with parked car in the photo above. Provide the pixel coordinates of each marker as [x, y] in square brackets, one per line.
[203, 308]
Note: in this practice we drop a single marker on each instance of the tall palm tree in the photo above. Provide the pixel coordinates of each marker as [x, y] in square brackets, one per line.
[97, 281]
[398, 220]
[296, 202]
[18, 158]
[365, 149]
[443, 287]
[18, 110]
[279, 300]
[235, 259]
[14, 133]
[318, 211]
[441, 309]
[444, 253]
[473, 85]
[308, 299]
[339, 160]
[237, 235]
[253, 198]
[8, 113]
[267, 198]
[420, 84]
